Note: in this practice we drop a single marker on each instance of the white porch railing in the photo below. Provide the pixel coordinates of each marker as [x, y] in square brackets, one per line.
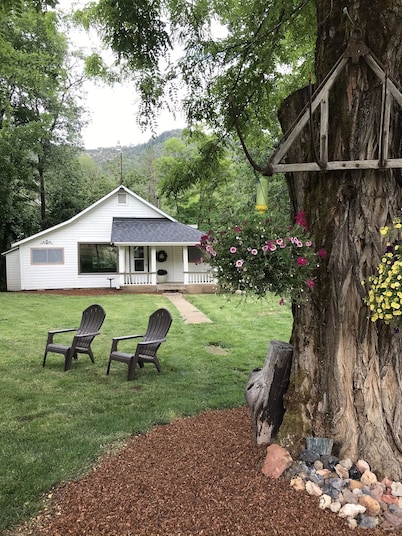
[196, 278]
[149, 278]
[138, 278]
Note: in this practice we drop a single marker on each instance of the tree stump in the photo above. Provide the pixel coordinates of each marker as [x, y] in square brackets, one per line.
[265, 390]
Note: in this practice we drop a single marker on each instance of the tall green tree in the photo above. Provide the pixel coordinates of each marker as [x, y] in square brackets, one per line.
[39, 122]
[38, 114]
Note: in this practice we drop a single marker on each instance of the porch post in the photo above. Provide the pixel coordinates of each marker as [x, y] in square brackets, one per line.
[121, 268]
[185, 265]
[153, 265]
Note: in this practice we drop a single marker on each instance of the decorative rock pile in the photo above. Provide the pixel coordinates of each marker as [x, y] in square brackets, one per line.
[351, 490]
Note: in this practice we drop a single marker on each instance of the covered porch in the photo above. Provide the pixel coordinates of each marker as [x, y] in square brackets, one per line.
[139, 266]
[158, 251]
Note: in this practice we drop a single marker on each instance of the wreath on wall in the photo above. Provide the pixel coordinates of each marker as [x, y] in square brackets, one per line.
[161, 256]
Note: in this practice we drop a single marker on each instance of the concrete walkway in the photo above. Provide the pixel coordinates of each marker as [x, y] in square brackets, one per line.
[189, 313]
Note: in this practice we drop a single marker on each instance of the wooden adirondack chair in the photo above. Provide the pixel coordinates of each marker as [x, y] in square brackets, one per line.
[145, 351]
[91, 322]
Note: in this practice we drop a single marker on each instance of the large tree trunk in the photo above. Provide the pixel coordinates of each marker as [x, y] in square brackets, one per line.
[347, 381]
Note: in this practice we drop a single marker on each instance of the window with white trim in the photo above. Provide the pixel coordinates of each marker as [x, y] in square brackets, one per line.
[194, 254]
[47, 256]
[122, 198]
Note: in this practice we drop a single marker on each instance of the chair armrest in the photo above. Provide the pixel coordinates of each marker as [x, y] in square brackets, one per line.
[115, 340]
[144, 343]
[126, 337]
[53, 332]
[83, 335]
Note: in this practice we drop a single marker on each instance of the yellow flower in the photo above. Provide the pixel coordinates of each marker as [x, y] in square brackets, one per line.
[384, 231]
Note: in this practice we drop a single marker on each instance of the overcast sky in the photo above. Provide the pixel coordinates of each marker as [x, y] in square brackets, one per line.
[112, 110]
[113, 118]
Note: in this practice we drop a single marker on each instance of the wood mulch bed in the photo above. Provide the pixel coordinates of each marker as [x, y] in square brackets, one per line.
[195, 476]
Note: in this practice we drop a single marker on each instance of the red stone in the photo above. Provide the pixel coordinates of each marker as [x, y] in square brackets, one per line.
[389, 499]
[276, 461]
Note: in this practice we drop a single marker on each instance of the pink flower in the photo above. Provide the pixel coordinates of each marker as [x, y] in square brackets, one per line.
[281, 301]
[265, 248]
[279, 241]
[302, 261]
[233, 249]
[322, 252]
[254, 252]
[309, 243]
[239, 263]
[301, 219]
[271, 246]
[237, 229]
[310, 283]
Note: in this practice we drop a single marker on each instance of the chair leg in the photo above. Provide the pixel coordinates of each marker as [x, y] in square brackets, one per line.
[44, 359]
[68, 359]
[108, 367]
[131, 368]
[91, 355]
[157, 365]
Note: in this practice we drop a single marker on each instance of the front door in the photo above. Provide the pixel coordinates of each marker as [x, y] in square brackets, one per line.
[140, 259]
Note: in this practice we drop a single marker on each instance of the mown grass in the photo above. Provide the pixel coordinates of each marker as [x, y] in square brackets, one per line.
[54, 425]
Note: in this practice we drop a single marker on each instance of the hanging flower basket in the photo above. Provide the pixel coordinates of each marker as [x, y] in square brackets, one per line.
[257, 257]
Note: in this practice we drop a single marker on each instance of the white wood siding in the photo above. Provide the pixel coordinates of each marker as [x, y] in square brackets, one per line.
[13, 271]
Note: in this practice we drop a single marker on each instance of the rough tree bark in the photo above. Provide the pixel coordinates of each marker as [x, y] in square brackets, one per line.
[265, 391]
[346, 375]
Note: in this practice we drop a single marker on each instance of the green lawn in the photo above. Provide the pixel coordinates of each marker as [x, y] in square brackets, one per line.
[53, 425]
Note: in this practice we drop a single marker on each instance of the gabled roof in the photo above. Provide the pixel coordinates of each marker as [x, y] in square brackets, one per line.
[153, 231]
[88, 209]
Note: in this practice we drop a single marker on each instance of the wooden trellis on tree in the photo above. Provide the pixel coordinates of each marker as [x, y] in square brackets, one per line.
[355, 50]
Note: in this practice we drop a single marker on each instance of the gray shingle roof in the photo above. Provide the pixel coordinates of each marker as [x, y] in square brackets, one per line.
[153, 231]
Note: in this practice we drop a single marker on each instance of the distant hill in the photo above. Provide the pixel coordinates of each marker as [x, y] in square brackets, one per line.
[132, 154]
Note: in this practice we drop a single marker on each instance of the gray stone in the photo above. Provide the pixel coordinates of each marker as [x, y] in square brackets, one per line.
[395, 509]
[309, 456]
[350, 497]
[329, 462]
[337, 483]
[321, 445]
[368, 522]
[330, 490]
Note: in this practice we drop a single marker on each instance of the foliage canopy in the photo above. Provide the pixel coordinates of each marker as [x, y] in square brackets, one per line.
[203, 55]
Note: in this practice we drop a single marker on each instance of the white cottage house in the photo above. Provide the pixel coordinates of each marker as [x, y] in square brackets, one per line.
[119, 241]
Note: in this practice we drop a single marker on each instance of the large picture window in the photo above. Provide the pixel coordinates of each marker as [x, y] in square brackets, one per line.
[47, 256]
[97, 258]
